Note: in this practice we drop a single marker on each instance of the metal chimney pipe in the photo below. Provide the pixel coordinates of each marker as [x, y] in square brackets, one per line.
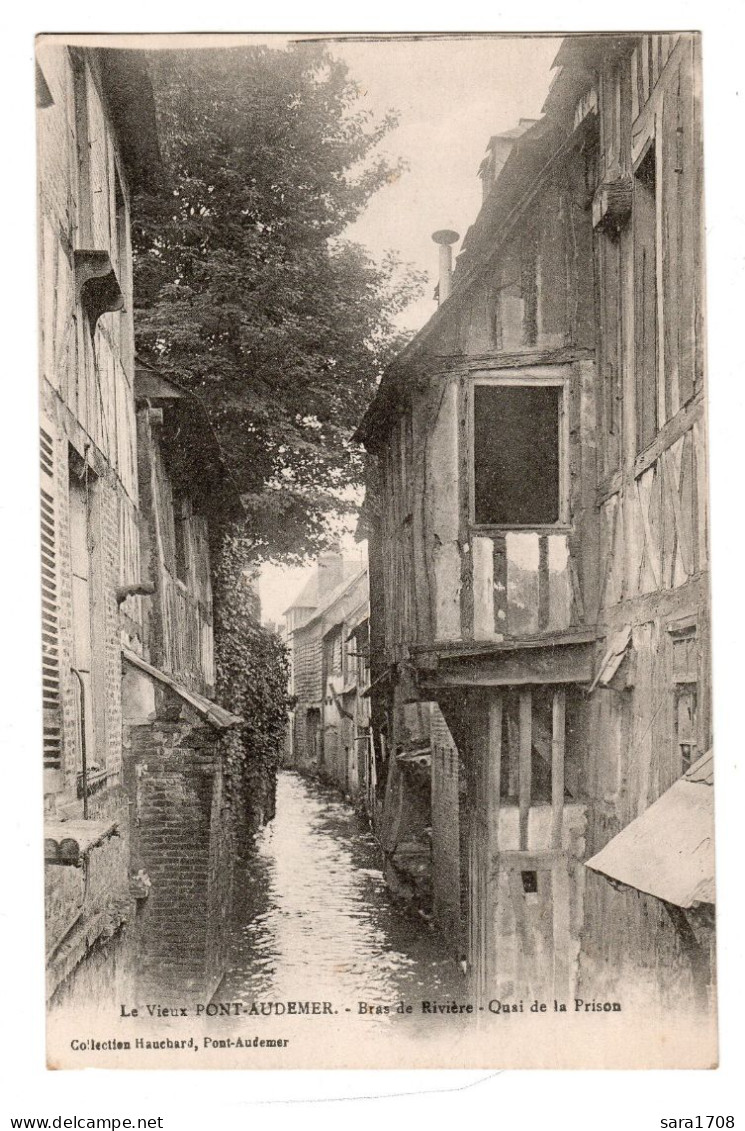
[445, 237]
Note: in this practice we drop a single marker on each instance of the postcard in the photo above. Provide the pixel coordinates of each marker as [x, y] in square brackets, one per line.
[375, 551]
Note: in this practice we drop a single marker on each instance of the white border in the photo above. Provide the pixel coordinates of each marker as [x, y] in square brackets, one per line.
[578, 1100]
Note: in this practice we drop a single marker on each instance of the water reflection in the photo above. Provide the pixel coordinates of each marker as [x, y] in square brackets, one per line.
[315, 919]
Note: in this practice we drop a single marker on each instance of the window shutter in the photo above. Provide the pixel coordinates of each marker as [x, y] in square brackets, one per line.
[50, 608]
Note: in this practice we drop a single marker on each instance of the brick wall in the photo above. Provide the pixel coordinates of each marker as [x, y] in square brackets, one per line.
[179, 836]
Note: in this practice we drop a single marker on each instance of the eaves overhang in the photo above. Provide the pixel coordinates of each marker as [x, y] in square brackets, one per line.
[562, 658]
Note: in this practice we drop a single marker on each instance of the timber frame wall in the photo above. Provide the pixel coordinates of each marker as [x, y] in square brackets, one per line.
[652, 494]
[90, 544]
[125, 565]
[583, 270]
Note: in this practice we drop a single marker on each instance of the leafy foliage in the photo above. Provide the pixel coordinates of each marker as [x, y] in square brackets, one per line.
[248, 296]
[252, 674]
[247, 293]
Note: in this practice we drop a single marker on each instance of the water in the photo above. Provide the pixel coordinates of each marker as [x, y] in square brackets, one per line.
[315, 920]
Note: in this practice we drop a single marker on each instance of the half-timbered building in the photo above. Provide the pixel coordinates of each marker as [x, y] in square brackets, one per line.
[96, 141]
[135, 829]
[539, 540]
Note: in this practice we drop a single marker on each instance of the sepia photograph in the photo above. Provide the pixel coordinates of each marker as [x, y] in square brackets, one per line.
[374, 505]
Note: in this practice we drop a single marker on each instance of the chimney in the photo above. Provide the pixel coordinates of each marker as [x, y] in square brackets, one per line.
[445, 238]
[330, 572]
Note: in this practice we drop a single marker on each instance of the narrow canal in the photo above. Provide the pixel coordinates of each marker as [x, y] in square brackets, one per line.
[315, 920]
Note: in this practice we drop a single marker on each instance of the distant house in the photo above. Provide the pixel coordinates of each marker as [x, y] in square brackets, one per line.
[327, 635]
[538, 534]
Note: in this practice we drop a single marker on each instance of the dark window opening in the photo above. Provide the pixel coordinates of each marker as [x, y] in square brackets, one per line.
[530, 882]
[516, 455]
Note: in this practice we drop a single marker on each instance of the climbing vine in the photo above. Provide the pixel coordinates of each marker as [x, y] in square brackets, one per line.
[252, 675]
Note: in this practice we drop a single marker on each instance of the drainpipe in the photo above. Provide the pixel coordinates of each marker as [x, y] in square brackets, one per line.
[445, 238]
[83, 750]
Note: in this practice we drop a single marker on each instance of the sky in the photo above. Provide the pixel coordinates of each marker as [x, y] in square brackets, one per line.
[451, 96]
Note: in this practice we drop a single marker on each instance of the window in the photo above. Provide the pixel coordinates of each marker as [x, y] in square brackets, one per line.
[81, 571]
[685, 694]
[645, 298]
[517, 454]
[334, 653]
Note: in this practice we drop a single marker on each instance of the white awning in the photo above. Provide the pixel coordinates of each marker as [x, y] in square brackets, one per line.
[668, 851]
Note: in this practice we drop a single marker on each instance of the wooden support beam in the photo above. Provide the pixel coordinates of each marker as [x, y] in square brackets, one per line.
[522, 665]
[544, 600]
[493, 793]
[536, 860]
[561, 884]
[494, 769]
[500, 582]
[558, 744]
[526, 768]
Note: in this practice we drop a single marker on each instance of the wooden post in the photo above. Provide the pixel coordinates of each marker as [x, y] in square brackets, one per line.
[558, 744]
[544, 601]
[526, 769]
[499, 558]
[561, 885]
[493, 791]
[494, 767]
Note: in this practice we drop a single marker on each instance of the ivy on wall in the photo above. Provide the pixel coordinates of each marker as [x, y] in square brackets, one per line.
[252, 677]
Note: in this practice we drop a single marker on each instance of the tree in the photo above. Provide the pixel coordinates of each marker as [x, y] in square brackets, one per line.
[247, 293]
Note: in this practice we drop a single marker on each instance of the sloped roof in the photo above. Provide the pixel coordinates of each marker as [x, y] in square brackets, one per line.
[336, 594]
[535, 148]
[209, 710]
[308, 597]
[125, 74]
[668, 851]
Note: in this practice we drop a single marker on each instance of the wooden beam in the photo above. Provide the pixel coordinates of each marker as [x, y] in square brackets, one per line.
[499, 582]
[520, 668]
[561, 885]
[526, 768]
[493, 796]
[520, 359]
[536, 860]
[558, 744]
[494, 769]
[670, 431]
[544, 599]
[464, 508]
